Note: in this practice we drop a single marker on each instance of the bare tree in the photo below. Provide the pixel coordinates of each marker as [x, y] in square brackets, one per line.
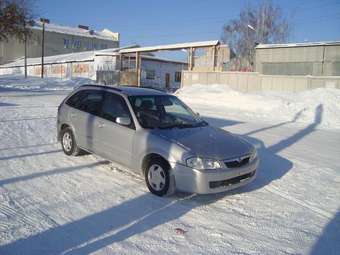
[264, 23]
[15, 18]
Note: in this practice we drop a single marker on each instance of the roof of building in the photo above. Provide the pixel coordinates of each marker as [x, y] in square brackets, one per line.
[176, 46]
[160, 59]
[105, 34]
[130, 90]
[82, 57]
[289, 45]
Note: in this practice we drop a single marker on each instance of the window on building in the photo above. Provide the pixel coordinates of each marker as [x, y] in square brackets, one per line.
[66, 43]
[178, 76]
[150, 74]
[76, 44]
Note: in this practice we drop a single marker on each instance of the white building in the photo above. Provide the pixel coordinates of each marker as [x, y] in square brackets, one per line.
[57, 40]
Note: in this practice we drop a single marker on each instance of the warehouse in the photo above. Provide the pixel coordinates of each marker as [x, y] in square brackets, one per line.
[315, 58]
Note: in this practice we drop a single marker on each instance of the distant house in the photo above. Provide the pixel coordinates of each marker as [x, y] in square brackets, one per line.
[58, 40]
[157, 72]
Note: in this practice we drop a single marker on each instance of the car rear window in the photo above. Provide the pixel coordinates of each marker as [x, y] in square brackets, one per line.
[87, 100]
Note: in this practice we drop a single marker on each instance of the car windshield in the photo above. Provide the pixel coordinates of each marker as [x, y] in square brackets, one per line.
[164, 111]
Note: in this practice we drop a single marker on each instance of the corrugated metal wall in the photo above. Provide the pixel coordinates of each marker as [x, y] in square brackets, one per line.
[323, 60]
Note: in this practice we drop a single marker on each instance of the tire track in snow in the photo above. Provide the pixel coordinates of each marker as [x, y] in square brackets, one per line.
[29, 119]
[31, 218]
[20, 216]
[318, 211]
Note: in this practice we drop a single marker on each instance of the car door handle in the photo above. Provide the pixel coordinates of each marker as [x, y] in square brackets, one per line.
[101, 125]
[73, 115]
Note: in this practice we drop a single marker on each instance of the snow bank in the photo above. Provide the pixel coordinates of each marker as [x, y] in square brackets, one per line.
[10, 82]
[301, 107]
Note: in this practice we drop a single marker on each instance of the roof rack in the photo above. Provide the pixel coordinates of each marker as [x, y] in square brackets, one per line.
[121, 87]
[143, 87]
[101, 86]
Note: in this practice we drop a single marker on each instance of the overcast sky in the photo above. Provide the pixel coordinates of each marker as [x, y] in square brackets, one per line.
[152, 22]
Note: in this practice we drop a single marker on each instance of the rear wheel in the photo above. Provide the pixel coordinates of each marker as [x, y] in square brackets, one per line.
[68, 142]
[157, 177]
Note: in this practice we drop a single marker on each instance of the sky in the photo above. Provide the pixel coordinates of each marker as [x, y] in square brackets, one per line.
[154, 22]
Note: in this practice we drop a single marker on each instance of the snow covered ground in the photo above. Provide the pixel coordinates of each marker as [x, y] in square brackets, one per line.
[54, 204]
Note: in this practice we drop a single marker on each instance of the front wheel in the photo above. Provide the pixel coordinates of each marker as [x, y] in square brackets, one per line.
[157, 177]
[68, 142]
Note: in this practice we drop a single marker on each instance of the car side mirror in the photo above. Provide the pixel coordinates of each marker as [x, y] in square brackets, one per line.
[124, 121]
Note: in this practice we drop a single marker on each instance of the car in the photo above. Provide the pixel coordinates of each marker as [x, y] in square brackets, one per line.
[157, 135]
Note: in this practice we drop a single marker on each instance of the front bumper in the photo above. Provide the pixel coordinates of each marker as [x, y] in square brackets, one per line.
[213, 181]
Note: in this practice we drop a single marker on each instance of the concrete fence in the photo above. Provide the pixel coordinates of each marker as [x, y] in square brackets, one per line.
[253, 81]
[83, 69]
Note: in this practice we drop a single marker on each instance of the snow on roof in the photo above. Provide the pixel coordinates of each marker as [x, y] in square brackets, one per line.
[105, 34]
[304, 44]
[80, 57]
[172, 46]
[111, 50]
[62, 58]
[161, 59]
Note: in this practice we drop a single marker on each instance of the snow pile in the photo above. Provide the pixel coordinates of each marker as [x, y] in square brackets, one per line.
[321, 105]
[12, 83]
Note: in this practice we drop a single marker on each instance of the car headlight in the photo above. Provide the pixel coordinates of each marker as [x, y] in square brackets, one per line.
[200, 163]
[253, 156]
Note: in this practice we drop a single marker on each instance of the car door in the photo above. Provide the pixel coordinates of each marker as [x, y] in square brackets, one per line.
[83, 118]
[115, 140]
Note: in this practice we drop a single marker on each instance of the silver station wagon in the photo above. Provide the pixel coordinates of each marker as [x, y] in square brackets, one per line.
[156, 135]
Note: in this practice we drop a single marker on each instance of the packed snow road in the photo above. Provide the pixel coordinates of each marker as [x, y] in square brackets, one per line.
[54, 204]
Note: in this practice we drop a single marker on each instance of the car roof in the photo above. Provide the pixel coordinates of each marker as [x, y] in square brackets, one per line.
[129, 90]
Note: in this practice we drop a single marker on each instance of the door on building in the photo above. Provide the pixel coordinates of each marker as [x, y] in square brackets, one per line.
[167, 81]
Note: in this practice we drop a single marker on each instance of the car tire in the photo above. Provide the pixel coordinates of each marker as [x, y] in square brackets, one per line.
[157, 176]
[68, 142]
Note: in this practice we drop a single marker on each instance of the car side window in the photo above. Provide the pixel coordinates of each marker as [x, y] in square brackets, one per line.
[91, 102]
[74, 100]
[115, 106]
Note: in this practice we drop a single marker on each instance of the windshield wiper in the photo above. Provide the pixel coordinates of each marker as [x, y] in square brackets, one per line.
[167, 126]
[184, 125]
[202, 123]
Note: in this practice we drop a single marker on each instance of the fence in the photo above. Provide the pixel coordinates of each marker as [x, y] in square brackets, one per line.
[83, 69]
[253, 81]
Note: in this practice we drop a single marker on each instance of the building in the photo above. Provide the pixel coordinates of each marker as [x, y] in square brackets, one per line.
[281, 67]
[204, 58]
[58, 40]
[156, 72]
[104, 66]
[133, 65]
[316, 59]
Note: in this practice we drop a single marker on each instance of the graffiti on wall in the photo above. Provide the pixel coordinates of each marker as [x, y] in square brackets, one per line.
[37, 70]
[80, 68]
[61, 70]
[58, 69]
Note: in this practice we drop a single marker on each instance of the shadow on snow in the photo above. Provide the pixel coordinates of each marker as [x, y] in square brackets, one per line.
[146, 211]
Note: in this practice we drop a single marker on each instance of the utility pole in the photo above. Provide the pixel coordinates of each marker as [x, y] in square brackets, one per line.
[25, 38]
[43, 20]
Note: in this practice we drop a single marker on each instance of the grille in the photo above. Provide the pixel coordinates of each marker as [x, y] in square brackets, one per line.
[235, 180]
[236, 163]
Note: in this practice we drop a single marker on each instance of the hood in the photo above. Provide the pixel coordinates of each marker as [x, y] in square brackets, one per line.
[207, 141]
